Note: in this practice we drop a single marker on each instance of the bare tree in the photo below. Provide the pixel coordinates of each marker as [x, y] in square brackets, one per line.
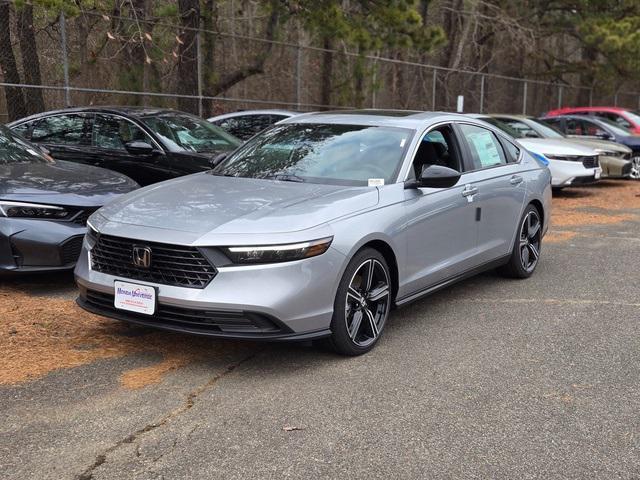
[15, 102]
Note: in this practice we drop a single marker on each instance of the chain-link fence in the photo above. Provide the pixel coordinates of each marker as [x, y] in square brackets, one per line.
[94, 58]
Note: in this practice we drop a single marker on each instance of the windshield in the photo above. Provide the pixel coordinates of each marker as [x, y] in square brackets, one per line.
[633, 115]
[14, 149]
[183, 132]
[614, 127]
[546, 130]
[321, 153]
[508, 129]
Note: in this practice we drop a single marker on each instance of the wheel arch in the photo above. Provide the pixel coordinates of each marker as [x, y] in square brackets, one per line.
[390, 257]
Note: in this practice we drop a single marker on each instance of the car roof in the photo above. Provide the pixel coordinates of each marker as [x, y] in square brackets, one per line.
[266, 111]
[135, 112]
[392, 118]
[560, 111]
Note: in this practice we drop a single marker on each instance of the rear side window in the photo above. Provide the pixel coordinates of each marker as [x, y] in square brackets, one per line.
[521, 127]
[62, 130]
[485, 148]
[247, 126]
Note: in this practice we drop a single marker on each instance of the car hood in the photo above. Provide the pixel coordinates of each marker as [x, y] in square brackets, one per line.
[205, 203]
[598, 144]
[64, 183]
[555, 146]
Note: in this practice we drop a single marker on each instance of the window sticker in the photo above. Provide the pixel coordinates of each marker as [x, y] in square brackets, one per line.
[376, 182]
[486, 148]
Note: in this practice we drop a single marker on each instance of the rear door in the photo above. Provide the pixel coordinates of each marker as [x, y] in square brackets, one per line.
[493, 168]
[66, 136]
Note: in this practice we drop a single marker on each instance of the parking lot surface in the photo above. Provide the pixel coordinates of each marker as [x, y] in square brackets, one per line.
[489, 378]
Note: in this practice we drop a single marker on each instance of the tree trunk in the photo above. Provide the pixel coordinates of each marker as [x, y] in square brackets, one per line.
[326, 75]
[13, 95]
[209, 16]
[187, 54]
[30, 62]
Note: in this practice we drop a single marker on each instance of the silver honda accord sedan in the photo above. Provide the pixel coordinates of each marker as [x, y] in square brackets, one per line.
[318, 227]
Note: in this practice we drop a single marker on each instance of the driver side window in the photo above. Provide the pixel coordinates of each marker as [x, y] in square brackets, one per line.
[113, 133]
[437, 147]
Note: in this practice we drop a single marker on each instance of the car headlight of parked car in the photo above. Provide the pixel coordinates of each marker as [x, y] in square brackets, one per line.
[277, 253]
[31, 210]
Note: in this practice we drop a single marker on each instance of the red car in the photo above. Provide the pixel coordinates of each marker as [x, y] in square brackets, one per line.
[625, 118]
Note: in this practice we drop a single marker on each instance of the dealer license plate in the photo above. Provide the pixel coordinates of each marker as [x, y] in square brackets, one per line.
[135, 298]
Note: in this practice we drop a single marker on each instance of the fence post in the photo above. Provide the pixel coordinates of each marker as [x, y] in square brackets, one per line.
[524, 99]
[560, 96]
[481, 93]
[591, 97]
[298, 77]
[615, 100]
[199, 73]
[433, 91]
[65, 59]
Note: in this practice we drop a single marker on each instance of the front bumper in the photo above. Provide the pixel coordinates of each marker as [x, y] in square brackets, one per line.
[282, 301]
[28, 245]
[565, 173]
[615, 167]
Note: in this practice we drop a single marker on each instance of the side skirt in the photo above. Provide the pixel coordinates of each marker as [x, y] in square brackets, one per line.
[450, 281]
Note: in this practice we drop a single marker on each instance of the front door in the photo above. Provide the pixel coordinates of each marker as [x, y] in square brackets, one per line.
[441, 230]
[111, 133]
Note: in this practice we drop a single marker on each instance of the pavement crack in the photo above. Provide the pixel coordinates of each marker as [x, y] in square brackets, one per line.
[187, 405]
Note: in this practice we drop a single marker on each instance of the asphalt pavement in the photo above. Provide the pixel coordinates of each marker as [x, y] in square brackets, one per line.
[491, 378]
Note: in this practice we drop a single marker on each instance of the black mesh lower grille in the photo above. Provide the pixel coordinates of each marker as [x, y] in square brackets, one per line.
[170, 264]
[70, 250]
[202, 320]
[590, 162]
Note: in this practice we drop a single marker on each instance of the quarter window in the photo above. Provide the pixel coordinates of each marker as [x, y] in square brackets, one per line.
[484, 146]
[62, 130]
[113, 133]
[512, 152]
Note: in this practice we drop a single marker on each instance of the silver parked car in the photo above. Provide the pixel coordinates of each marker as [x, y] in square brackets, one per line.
[317, 227]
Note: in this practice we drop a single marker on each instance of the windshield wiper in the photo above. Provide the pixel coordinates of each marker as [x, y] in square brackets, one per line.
[286, 177]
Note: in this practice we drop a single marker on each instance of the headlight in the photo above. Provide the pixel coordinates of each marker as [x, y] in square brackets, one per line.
[31, 210]
[278, 253]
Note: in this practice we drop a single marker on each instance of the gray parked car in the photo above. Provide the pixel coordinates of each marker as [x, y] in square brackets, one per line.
[318, 227]
[44, 205]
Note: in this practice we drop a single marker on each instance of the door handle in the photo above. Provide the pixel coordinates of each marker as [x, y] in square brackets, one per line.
[516, 180]
[469, 191]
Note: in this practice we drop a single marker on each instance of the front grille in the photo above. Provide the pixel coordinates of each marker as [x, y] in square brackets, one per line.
[70, 250]
[187, 319]
[590, 162]
[170, 264]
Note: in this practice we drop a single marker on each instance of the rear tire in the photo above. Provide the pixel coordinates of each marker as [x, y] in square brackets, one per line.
[362, 304]
[526, 249]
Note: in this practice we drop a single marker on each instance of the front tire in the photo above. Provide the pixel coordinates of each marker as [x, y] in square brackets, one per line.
[526, 249]
[362, 304]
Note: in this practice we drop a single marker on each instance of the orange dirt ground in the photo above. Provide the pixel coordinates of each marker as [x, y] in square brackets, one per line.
[39, 335]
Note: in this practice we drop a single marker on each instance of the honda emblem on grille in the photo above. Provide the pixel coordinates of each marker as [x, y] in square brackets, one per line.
[141, 256]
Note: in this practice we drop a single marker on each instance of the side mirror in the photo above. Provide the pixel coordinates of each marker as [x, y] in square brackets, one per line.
[436, 176]
[138, 147]
[604, 135]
